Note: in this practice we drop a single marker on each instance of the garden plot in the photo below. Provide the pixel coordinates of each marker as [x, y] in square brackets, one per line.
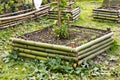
[82, 44]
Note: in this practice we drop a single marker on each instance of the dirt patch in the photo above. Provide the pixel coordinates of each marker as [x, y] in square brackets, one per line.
[79, 35]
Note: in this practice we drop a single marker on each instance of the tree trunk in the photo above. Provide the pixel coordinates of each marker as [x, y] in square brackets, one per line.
[33, 3]
[4, 8]
[59, 13]
[108, 4]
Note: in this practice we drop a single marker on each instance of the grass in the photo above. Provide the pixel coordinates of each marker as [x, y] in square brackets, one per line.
[106, 66]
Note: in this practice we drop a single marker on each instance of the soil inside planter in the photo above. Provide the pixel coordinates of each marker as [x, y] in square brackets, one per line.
[79, 35]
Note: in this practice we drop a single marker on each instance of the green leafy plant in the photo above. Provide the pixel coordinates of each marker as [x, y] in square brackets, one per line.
[45, 1]
[7, 57]
[7, 6]
[61, 32]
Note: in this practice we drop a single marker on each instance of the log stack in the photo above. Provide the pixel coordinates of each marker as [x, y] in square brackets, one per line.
[75, 13]
[107, 14]
[39, 50]
[22, 16]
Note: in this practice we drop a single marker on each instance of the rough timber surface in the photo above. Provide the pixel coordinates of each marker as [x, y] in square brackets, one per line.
[105, 13]
[22, 16]
[74, 12]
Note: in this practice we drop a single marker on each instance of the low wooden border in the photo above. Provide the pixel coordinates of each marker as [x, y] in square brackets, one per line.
[39, 50]
[23, 16]
[75, 13]
[106, 14]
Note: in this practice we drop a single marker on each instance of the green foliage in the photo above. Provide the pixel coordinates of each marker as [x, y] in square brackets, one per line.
[7, 57]
[44, 1]
[1, 9]
[114, 46]
[28, 6]
[63, 3]
[53, 6]
[62, 31]
[7, 6]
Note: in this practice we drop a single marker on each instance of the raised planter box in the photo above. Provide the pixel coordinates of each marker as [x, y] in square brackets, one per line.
[83, 44]
[112, 14]
[15, 18]
[75, 13]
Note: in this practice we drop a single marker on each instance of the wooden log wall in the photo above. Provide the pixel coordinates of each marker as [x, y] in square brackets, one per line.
[105, 14]
[75, 13]
[22, 16]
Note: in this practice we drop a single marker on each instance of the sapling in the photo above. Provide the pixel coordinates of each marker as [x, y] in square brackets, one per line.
[62, 25]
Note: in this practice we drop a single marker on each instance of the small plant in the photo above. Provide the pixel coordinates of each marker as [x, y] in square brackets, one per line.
[61, 32]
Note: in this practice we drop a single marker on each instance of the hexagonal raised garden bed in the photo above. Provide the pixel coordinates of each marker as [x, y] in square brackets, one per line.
[82, 44]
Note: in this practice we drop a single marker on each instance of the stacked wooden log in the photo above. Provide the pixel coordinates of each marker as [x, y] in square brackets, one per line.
[22, 16]
[39, 50]
[107, 14]
[75, 13]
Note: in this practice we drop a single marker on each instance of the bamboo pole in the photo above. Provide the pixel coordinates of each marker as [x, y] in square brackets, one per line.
[105, 15]
[94, 42]
[32, 56]
[76, 16]
[105, 10]
[94, 50]
[106, 18]
[95, 46]
[5, 26]
[104, 31]
[43, 45]
[43, 49]
[12, 23]
[56, 12]
[93, 55]
[15, 13]
[43, 54]
[77, 8]
[59, 47]
[21, 18]
[25, 17]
